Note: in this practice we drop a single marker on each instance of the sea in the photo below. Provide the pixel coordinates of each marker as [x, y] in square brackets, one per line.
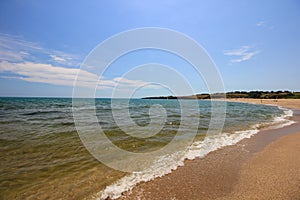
[44, 157]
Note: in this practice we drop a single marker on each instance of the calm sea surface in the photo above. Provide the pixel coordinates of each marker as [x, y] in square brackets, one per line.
[42, 156]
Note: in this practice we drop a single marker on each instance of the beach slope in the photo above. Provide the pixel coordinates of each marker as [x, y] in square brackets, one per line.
[273, 173]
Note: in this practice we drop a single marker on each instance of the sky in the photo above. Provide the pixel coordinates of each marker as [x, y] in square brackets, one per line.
[255, 45]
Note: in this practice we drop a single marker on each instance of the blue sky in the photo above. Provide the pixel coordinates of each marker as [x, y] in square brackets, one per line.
[254, 44]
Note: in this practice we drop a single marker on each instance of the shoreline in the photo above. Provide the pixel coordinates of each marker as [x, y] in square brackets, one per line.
[219, 172]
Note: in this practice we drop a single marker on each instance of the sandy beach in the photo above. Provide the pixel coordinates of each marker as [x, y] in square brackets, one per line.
[266, 166]
[287, 103]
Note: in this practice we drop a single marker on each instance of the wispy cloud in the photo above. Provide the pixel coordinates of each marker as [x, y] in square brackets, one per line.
[125, 84]
[241, 54]
[264, 24]
[14, 48]
[57, 58]
[261, 23]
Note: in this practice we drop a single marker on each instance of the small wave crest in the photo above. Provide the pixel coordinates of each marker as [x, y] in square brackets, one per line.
[280, 121]
[44, 112]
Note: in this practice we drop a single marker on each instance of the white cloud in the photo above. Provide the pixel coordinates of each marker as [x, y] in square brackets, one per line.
[56, 75]
[46, 73]
[22, 60]
[242, 54]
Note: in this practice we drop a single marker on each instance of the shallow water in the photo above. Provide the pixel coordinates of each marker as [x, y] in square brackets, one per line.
[42, 156]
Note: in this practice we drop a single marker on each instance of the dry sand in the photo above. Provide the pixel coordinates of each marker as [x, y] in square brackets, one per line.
[263, 167]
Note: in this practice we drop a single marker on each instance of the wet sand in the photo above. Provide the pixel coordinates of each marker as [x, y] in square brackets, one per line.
[266, 166]
[273, 173]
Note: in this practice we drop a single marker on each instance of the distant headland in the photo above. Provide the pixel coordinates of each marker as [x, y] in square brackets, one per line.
[238, 94]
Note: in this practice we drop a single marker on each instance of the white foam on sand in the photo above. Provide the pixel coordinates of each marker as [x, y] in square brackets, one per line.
[167, 163]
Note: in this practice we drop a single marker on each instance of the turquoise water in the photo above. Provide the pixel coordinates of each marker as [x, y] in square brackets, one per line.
[42, 156]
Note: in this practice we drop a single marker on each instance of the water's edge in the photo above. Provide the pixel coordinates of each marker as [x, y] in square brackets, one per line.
[198, 149]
